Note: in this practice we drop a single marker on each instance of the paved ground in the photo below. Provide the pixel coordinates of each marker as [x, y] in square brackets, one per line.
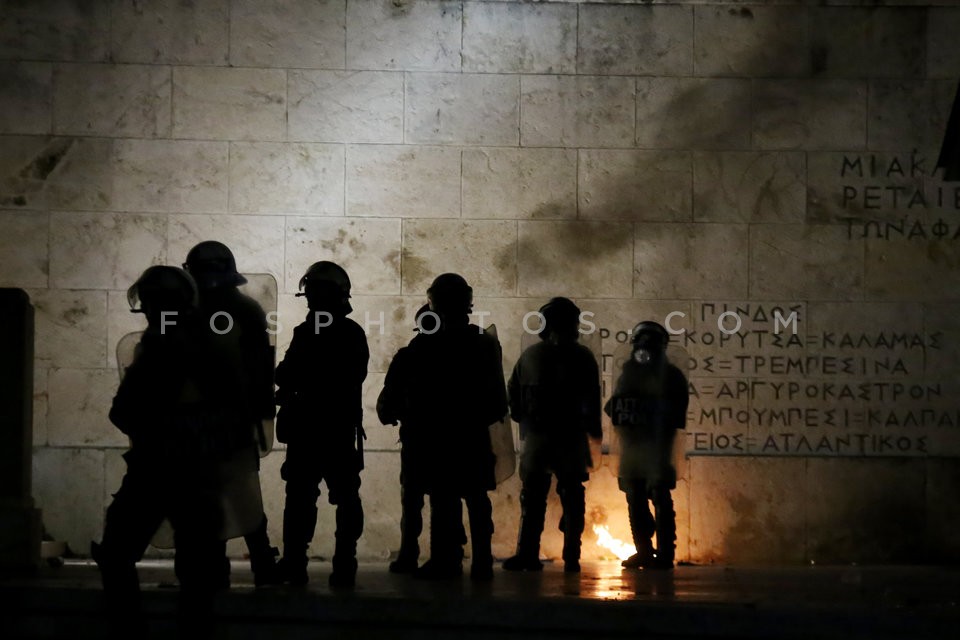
[602, 602]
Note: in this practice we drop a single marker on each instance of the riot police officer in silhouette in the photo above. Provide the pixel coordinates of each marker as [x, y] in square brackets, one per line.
[554, 393]
[414, 464]
[647, 407]
[391, 409]
[319, 392]
[224, 308]
[456, 392]
[178, 405]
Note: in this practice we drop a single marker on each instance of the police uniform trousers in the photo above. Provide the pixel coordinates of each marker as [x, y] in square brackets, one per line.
[533, 506]
[643, 523]
[148, 494]
[305, 467]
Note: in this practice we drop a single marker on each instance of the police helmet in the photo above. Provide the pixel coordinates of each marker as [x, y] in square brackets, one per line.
[212, 265]
[325, 277]
[561, 316]
[650, 329]
[449, 293]
[163, 288]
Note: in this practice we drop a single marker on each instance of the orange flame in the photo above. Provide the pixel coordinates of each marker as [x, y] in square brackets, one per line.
[621, 549]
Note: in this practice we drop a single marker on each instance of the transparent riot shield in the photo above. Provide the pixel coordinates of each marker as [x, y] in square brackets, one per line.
[262, 287]
[127, 350]
[501, 436]
[593, 342]
[640, 449]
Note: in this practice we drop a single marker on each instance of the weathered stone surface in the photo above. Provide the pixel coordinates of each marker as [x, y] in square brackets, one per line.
[169, 31]
[112, 100]
[684, 113]
[170, 175]
[275, 33]
[737, 515]
[255, 241]
[69, 173]
[806, 262]
[369, 250]
[912, 269]
[416, 36]
[482, 251]
[635, 40]
[943, 48]
[809, 114]
[278, 178]
[749, 187]
[577, 111]
[854, 42]
[380, 493]
[346, 106]
[79, 403]
[462, 109]
[71, 328]
[229, 104]
[40, 404]
[72, 504]
[854, 524]
[25, 97]
[59, 30]
[519, 38]
[575, 259]
[104, 250]
[388, 322]
[403, 181]
[690, 261]
[519, 183]
[635, 185]
[24, 249]
[751, 41]
[908, 115]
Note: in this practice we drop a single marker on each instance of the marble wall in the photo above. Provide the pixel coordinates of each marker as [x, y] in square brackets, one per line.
[644, 158]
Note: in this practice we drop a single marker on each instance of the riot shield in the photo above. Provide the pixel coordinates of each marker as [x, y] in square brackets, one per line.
[640, 449]
[501, 436]
[262, 287]
[127, 350]
[593, 342]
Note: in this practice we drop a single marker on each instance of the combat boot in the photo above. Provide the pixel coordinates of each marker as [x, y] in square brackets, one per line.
[293, 571]
[666, 524]
[644, 556]
[405, 563]
[263, 557]
[344, 574]
[572, 523]
[527, 557]
[298, 526]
